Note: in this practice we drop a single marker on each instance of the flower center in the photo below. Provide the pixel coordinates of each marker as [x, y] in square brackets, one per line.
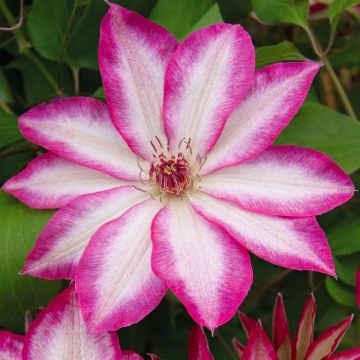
[172, 173]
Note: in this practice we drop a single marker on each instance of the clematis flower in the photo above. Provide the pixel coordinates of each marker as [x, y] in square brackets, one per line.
[283, 347]
[302, 346]
[59, 332]
[171, 183]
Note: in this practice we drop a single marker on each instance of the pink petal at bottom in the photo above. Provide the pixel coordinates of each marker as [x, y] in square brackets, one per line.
[11, 346]
[130, 355]
[328, 341]
[259, 346]
[352, 354]
[59, 332]
[198, 346]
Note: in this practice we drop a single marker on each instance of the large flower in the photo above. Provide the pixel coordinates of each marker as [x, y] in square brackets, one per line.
[170, 184]
[59, 332]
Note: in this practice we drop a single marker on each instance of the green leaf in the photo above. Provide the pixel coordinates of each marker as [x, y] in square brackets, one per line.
[282, 11]
[99, 93]
[12, 163]
[213, 16]
[9, 131]
[348, 55]
[47, 20]
[19, 227]
[346, 271]
[337, 8]
[179, 16]
[344, 236]
[339, 292]
[284, 51]
[328, 131]
[5, 92]
[82, 50]
[36, 86]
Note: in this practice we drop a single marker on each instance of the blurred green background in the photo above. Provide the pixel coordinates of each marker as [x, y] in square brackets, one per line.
[54, 54]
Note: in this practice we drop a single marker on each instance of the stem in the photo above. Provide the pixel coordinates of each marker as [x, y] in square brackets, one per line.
[338, 86]
[24, 48]
[6, 108]
[19, 36]
[19, 23]
[75, 72]
[225, 345]
[340, 89]
[44, 71]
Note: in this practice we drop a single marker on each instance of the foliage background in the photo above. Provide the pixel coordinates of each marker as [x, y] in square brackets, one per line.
[54, 54]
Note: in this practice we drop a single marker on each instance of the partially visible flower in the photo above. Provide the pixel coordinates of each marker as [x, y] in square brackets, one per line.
[173, 181]
[59, 333]
[283, 346]
[302, 346]
[198, 345]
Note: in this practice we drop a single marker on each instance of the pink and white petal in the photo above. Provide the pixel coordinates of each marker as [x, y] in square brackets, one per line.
[328, 341]
[209, 74]
[305, 330]
[352, 354]
[60, 333]
[277, 93]
[130, 355]
[281, 331]
[153, 356]
[295, 243]
[200, 263]
[79, 129]
[114, 280]
[284, 180]
[259, 346]
[198, 347]
[11, 345]
[238, 347]
[357, 287]
[50, 181]
[133, 55]
[61, 243]
[247, 323]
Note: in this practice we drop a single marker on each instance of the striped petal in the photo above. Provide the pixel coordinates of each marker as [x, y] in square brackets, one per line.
[305, 330]
[130, 355]
[61, 243]
[281, 331]
[11, 346]
[133, 54]
[284, 180]
[328, 341]
[60, 333]
[201, 264]
[51, 182]
[247, 323]
[114, 280]
[259, 346]
[198, 346]
[79, 129]
[210, 72]
[352, 354]
[275, 97]
[295, 243]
